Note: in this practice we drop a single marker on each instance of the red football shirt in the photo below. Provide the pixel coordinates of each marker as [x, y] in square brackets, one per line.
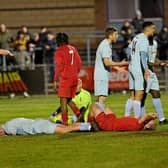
[67, 63]
[127, 124]
[111, 123]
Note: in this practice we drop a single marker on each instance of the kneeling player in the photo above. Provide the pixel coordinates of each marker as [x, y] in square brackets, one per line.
[82, 100]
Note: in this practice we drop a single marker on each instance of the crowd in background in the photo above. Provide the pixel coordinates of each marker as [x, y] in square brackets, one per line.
[130, 28]
[38, 48]
[28, 48]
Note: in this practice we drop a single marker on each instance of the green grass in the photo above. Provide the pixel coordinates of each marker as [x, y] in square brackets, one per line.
[80, 150]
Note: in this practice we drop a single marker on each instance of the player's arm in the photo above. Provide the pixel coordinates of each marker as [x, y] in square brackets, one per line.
[143, 57]
[108, 62]
[158, 62]
[128, 53]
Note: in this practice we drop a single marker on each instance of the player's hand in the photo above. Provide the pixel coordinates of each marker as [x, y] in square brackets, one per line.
[163, 64]
[124, 62]
[146, 74]
[55, 85]
[10, 54]
[121, 69]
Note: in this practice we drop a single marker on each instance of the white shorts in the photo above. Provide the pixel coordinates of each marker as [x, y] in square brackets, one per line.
[101, 87]
[152, 82]
[136, 81]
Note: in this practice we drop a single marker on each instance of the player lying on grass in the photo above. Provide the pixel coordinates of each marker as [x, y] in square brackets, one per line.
[107, 120]
[24, 126]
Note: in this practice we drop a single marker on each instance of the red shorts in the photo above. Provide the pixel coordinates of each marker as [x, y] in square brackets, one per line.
[67, 88]
[105, 121]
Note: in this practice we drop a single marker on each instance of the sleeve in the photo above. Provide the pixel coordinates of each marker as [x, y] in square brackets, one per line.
[128, 53]
[144, 56]
[58, 64]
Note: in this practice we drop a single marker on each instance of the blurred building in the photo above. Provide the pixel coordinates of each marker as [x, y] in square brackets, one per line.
[78, 16]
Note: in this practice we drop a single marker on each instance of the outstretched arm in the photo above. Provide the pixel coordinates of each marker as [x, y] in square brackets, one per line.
[5, 52]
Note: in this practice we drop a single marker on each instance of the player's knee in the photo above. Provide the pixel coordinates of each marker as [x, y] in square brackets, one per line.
[155, 94]
[108, 110]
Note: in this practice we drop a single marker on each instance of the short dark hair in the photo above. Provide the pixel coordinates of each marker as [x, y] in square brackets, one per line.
[147, 24]
[110, 30]
[62, 38]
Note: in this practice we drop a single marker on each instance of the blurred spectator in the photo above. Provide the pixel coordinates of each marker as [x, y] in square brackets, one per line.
[38, 48]
[5, 37]
[137, 22]
[31, 52]
[43, 34]
[21, 40]
[22, 58]
[127, 31]
[25, 31]
[162, 39]
[49, 50]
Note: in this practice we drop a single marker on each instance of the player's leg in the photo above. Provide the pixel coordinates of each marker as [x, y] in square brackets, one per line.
[158, 106]
[95, 110]
[155, 92]
[101, 92]
[137, 103]
[139, 92]
[72, 128]
[130, 101]
[143, 104]
[64, 110]
[108, 110]
[129, 104]
[73, 106]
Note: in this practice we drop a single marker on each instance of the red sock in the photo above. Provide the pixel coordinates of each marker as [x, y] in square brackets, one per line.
[76, 110]
[65, 118]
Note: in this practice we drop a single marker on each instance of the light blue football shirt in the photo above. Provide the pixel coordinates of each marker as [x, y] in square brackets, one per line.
[152, 51]
[104, 50]
[24, 126]
[139, 44]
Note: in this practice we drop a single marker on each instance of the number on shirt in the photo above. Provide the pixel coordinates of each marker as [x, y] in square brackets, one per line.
[134, 42]
[71, 52]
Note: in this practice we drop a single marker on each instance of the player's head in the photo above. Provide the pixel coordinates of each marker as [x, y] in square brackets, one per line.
[62, 39]
[111, 34]
[2, 132]
[150, 125]
[149, 28]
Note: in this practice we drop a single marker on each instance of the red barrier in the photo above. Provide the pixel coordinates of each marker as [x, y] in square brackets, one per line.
[86, 75]
[118, 80]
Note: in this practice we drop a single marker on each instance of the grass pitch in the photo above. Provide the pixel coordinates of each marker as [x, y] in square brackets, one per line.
[81, 150]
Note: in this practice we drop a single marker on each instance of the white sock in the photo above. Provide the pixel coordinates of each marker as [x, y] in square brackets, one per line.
[74, 118]
[143, 111]
[85, 127]
[128, 107]
[137, 108]
[158, 107]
